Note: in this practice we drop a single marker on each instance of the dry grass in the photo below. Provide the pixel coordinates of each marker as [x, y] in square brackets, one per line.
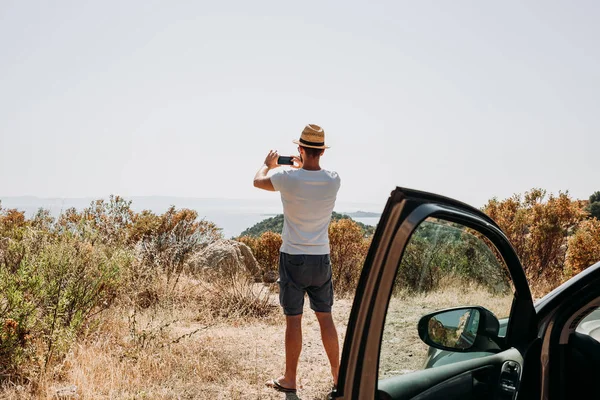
[190, 352]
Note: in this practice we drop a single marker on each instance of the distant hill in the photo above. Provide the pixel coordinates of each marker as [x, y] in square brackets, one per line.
[275, 224]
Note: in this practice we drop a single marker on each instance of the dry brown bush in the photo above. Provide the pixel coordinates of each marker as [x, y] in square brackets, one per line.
[348, 251]
[584, 246]
[167, 242]
[539, 225]
[265, 249]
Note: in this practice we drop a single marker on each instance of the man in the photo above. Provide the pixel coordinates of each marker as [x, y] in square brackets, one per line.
[308, 194]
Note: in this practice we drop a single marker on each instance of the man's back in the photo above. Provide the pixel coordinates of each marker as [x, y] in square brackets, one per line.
[308, 199]
[308, 196]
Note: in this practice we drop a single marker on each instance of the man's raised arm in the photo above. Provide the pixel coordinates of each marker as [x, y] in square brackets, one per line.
[261, 180]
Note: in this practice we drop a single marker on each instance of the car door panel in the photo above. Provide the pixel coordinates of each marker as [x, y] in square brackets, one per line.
[471, 379]
[405, 210]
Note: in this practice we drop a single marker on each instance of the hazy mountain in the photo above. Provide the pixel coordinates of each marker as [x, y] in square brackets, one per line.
[363, 214]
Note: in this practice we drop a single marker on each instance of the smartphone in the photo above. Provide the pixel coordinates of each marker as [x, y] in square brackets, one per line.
[285, 160]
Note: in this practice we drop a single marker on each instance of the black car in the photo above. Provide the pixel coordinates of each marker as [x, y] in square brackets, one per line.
[509, 348]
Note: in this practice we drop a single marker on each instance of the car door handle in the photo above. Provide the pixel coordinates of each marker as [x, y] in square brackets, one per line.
[510, 377]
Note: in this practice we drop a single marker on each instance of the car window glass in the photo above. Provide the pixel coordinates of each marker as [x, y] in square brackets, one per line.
[444, 265]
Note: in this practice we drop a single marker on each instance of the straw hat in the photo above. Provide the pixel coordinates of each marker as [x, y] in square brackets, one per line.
[312, 136]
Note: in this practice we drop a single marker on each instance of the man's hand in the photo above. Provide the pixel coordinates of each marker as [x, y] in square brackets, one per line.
[261, 180]
[297, 162]
[271, 159]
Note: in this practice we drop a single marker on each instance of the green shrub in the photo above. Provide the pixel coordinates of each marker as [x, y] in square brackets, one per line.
[440, 250]
[419, 271]
[56, 275]
[58, 284]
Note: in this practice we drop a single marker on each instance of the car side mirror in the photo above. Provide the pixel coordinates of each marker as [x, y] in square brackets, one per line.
[463, 329]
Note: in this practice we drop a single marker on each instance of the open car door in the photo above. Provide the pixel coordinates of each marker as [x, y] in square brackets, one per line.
[425, 243]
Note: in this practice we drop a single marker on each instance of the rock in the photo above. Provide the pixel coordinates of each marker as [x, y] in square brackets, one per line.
[146, 298]
[270, 276]
[67, 392]
[226, 256]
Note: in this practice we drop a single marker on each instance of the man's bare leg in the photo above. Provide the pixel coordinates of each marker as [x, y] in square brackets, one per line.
[329, 337]
[293, 348]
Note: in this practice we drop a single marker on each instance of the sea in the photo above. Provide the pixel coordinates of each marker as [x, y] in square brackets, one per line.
[233, 216]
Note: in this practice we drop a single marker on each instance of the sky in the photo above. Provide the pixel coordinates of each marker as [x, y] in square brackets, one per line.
[467, 99]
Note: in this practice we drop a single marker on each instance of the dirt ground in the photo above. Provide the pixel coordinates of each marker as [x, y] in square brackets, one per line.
[259, 350]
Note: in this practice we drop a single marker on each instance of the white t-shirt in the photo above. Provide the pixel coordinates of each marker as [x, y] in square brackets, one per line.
[308, 198]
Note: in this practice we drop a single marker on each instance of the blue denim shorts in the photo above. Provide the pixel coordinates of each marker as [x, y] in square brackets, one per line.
[299, 274]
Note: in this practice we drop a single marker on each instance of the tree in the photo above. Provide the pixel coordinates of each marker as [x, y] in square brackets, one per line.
[594, 209]
[594, 206]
